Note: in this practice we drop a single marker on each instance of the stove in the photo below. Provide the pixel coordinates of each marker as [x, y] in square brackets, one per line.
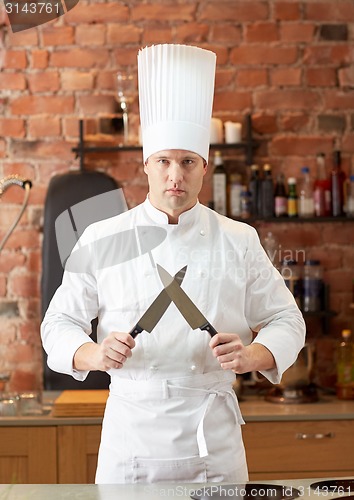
[306, 394]
[246, 492]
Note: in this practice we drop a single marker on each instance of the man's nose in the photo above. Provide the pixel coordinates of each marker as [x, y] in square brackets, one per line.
[175, 172]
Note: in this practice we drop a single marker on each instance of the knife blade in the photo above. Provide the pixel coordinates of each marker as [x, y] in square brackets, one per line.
[154, 312]
[185, 305]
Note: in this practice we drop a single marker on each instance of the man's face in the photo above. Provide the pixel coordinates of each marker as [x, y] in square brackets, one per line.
[175, 179]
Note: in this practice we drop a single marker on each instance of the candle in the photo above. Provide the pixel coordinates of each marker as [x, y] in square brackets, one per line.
[232, 132]
[216, 131]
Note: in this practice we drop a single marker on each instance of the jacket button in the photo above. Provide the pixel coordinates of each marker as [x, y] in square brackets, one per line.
[202, 232]
[193, 368]
[153, 368]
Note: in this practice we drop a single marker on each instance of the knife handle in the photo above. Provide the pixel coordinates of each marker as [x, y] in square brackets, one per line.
[210, 329]
[135, 331]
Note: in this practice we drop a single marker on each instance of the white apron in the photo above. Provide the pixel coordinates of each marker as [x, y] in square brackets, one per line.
[191, 426]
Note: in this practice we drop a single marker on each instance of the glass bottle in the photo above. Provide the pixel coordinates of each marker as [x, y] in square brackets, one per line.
[235, 189]
[337, 184]
[350, 197]
[245, 203]
[254, 189]
[345, 366]
[292, 277]
[312, 286]
[271, 246]
[219, 185]
[267, 193]
[305, 202]
[280, 197]
[292, 197]
[322, 189]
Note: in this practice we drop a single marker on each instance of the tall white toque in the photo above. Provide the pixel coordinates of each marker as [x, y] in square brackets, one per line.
[176, 89]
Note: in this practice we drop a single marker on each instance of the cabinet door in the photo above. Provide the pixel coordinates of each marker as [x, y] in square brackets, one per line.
[28, 455]
[278, 450]
[77, 453]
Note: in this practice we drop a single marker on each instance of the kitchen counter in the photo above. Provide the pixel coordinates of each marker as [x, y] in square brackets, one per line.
[253, 408]
[143, 492]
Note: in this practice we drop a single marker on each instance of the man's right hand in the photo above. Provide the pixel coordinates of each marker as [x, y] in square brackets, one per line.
[113, 352]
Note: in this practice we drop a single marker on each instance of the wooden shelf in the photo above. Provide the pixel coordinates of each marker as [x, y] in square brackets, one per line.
[298, 220]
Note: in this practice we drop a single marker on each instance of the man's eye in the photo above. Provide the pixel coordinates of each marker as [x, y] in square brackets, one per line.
[188, 162]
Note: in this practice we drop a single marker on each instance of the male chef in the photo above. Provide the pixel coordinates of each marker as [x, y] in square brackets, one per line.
[171, 414]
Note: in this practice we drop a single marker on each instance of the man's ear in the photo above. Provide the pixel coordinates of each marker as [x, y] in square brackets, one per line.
[145, 165]
[205, 166]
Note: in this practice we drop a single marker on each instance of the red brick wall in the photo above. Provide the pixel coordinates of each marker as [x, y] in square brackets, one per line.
[289, 63]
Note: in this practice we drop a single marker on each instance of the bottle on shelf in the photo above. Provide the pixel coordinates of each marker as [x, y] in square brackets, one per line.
[312, 286]
[292, 197]
[254, 189]
[305, 201]
[267, 193]
[245, 203]
[322, 189]
[291, 274]
[345, 366]
[280, 197]
[337, 185]
[271, 246]
[219, 184]
[235, 189]
[350, 197]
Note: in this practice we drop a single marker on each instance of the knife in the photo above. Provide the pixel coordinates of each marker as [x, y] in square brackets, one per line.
[185, 305]
[155, 311]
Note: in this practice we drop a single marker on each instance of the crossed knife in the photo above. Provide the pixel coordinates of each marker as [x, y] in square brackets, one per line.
[172, 292]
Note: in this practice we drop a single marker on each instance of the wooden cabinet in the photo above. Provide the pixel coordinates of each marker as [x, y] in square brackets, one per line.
[28, 455]
[77, 453]
[299, 449]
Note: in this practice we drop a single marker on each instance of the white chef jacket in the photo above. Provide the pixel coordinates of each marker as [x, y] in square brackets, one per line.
[171, 414]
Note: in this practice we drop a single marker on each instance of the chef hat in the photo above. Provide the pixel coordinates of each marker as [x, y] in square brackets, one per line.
[176, 88]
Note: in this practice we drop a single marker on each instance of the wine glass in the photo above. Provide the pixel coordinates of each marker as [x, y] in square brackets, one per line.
[126, 91]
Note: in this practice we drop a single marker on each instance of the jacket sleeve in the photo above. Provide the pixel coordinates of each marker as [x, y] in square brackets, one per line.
[271, 310]
[67, 323]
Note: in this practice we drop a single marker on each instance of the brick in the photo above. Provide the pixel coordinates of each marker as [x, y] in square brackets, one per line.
[224, 77]
[295, 122]
[232, 100]
[286, 77]
[329, 123]
[23, 169]
[57, 35]
[125, 56]
[123, 34]
[300, 145]
[90, 104]
[32, 105]
[297, 32]
[105, 80]
[92, 35]
[167, 12]
[264, 124]
[337, 100]
[327, 54]
[43, 81]
[12, 81]
[24, 353]
[3, 286]
[340, 280]
[328, 11]
[263, 54]
[47, 127]
[15, 59]
[95, 13]
[321, 77]
[293, 99]
[263, 32]
[12, 127]
[11, 260]
[71, 127]
[231, 11]
[79, 58]
[346, 76]
[23, 38]
[39, 59]
[154, 34]
[42, 150]
[221, 33]
[2, 148]
[287, 11]
[195, 32]
[252, 77]
[29, 332]
[348, 143]
[77, 80]
[21, 238]
[333, 32]
[22, 380]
